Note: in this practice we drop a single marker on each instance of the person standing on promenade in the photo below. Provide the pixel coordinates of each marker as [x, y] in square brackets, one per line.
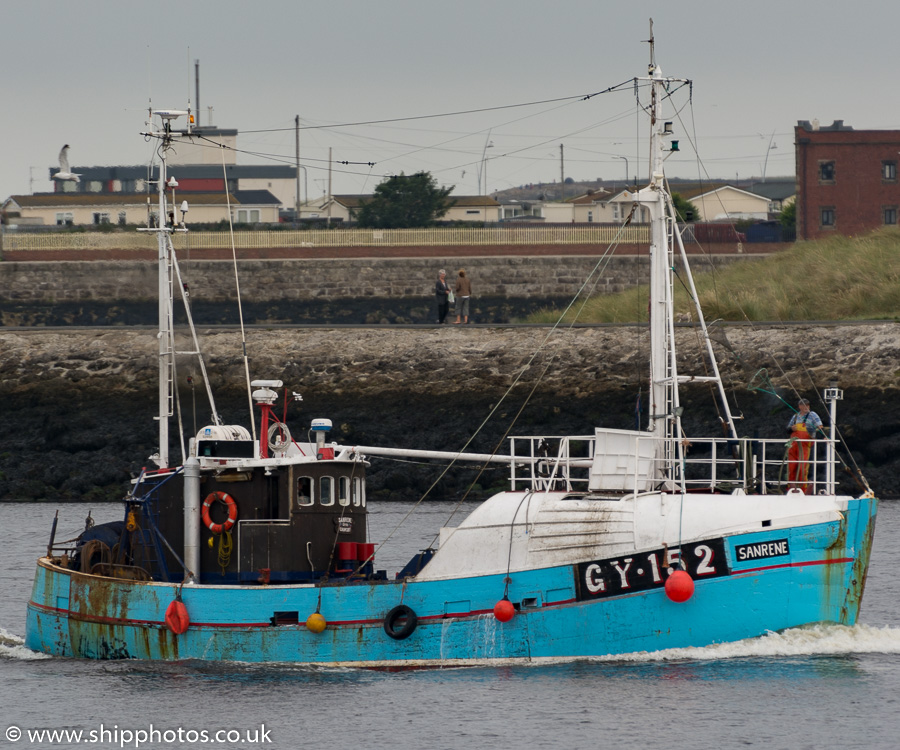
[463, 292]
[441, 293]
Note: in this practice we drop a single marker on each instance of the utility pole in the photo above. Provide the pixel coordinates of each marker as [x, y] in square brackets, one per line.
[562, 173]
[329, 187]
[297, 162]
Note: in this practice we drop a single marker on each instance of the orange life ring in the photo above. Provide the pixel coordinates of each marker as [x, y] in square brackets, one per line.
[218, 528]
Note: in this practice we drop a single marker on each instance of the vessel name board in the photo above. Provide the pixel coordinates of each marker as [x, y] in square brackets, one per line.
[649, 570]
[760, 550]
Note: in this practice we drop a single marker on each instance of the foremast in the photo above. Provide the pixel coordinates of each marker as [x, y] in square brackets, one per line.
[164, 225]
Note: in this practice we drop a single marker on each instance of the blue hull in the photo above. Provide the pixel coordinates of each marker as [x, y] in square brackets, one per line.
[774, 580]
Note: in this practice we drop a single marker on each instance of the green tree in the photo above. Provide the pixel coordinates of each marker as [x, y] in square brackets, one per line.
[404, 201]
[787, 217]
[684, 209]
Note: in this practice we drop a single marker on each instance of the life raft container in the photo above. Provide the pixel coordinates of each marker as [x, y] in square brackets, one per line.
[218, 528]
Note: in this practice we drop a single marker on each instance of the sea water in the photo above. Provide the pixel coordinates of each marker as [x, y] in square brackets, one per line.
[817, 687]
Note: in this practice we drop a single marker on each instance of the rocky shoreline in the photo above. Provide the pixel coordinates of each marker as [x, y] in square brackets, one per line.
[77, 405]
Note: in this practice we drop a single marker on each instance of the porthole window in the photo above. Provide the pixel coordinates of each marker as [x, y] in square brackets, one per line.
[304, 491]
[326, 491]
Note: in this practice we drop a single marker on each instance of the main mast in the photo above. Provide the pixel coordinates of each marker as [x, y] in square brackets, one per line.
[663, 375]
[665, 408]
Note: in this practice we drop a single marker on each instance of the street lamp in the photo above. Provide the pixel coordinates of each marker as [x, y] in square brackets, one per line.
[488, 143]
[770, 147]
[626, 167]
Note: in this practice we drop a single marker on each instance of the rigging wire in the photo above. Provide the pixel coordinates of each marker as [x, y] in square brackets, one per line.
[237, 284]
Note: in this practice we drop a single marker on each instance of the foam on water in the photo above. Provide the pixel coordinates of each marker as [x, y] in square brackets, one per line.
[807, 641]
[13, 647]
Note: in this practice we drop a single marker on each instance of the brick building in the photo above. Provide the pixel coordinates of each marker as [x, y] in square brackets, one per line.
[846, 179]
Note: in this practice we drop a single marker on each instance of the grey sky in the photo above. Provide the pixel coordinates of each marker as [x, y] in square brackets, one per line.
[82, 73]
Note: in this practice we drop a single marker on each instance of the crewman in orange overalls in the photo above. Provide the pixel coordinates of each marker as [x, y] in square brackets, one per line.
[803, 427]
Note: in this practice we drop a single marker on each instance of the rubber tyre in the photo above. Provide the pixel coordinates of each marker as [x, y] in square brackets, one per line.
[401, 611]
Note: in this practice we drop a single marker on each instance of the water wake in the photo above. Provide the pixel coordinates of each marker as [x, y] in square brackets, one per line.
[13, 647]
[806, 641]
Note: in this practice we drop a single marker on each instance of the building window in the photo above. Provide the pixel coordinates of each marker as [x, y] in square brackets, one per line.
[101, 218]
[248, 216]
[615, 211]
[590, 216]
[889, 171]
[64, 219]
[122, 218]
[889, 214]
[827, 217]
[826, 171]
[473, 211]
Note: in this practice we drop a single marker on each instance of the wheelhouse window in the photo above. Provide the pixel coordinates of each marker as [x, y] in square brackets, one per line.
[359, 492]
[827, 217]
[343, 490]
[889, 215]
[826, 171]
[326, 490]
[889, 171]
[304, 491]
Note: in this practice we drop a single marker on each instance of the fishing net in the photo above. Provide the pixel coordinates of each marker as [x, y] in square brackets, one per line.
[763, 384]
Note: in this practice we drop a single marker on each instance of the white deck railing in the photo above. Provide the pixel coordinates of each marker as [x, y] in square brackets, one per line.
[708, 465]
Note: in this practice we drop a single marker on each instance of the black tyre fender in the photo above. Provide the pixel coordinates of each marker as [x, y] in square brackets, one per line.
[400, 613]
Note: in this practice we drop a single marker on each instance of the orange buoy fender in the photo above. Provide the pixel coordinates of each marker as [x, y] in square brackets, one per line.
[218, 528]
[177, 619]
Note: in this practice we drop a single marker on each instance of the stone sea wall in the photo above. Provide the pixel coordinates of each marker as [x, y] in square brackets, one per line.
[310, 290]
[76, 407]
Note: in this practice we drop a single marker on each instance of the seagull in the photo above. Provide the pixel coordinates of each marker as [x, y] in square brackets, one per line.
[64, 174]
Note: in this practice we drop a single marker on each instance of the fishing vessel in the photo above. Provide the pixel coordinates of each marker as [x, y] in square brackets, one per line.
[255, 547]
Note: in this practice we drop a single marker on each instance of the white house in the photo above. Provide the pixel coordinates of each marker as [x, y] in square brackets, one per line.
[728, 203]
[345, 208]
[86, 209]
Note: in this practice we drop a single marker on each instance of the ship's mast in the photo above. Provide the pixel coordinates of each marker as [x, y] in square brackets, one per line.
[663, 375]
[164, 226]
[665, 407]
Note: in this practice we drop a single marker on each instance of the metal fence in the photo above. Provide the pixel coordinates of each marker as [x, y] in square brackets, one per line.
[592, 234]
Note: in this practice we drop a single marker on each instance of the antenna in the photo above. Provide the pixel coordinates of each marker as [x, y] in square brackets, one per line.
[190, 117]
[149, 86]
[197, 88]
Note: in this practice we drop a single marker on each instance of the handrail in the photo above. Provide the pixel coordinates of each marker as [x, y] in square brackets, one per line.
[757, 466]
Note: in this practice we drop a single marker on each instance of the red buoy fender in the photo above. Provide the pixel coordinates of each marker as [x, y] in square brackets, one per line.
[218, 528]
[177, 619]
[504, 610]
[679, 586]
